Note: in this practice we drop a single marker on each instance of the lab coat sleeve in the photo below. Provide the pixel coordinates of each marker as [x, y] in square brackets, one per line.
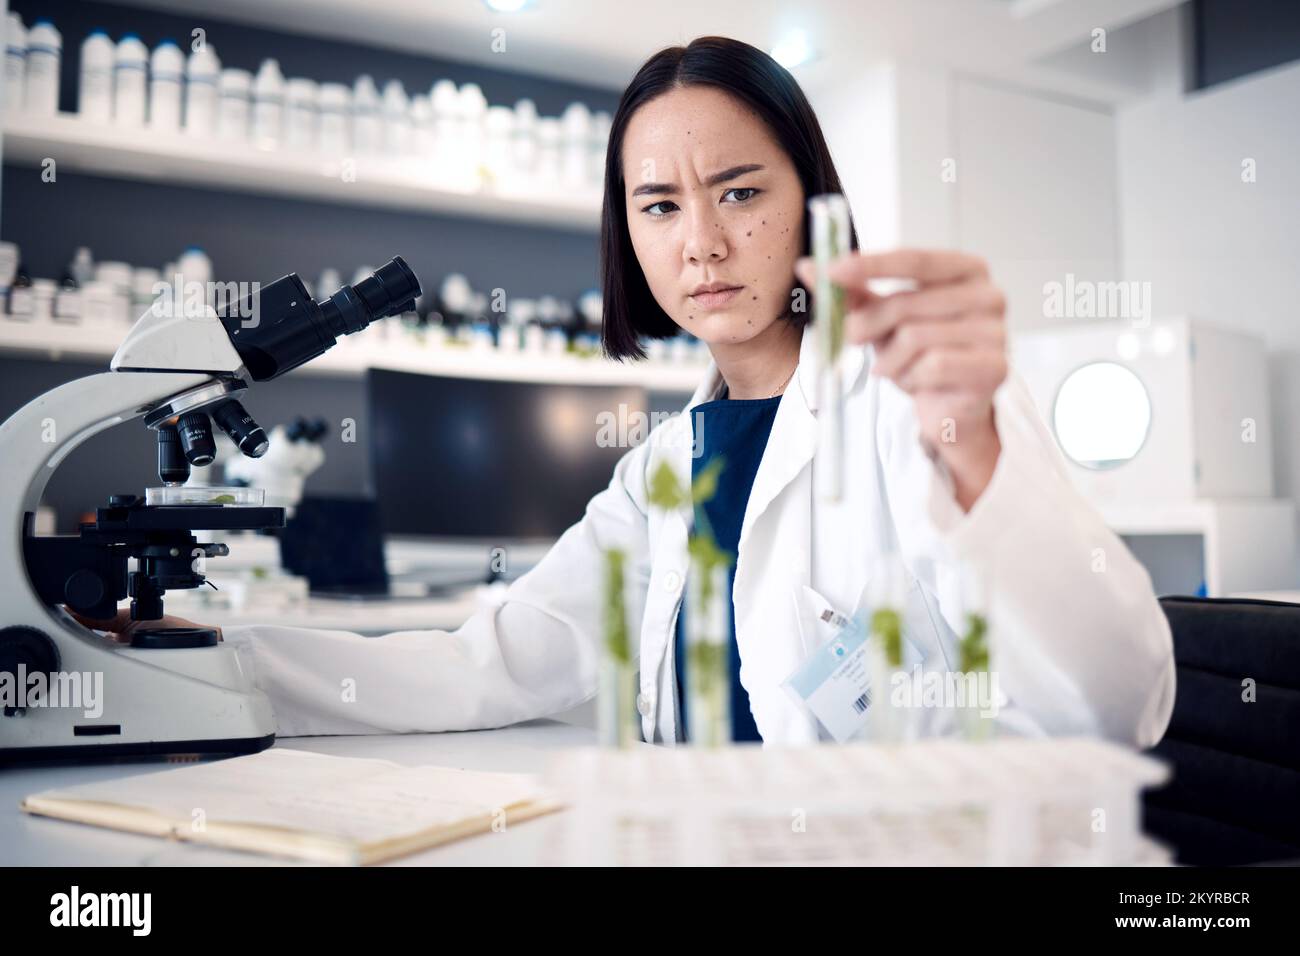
[533, 655]
[1080, 641]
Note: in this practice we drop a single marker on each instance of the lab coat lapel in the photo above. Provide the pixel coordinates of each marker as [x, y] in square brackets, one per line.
[790, 445]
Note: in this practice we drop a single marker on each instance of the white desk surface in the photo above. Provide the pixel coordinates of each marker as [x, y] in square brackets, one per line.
[27, 840]
[341, 614]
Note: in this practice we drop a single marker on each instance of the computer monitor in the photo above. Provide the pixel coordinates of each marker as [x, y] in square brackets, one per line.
[475, 458]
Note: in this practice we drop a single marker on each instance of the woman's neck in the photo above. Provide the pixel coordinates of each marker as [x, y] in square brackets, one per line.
[762, 366]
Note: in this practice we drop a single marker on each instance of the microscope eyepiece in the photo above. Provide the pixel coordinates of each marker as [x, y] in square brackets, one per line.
[280, 327]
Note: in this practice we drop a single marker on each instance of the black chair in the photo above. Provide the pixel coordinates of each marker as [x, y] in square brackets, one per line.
[1235, 794]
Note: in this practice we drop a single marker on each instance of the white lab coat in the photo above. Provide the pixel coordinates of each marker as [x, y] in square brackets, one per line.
[1081, 643]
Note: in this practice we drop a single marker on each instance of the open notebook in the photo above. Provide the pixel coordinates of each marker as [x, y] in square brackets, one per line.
[309, 806]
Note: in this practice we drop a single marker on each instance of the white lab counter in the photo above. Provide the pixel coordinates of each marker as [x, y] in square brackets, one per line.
[27, 840]
[369, 617]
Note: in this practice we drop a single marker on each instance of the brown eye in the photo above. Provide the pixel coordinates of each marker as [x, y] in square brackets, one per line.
[741, 193]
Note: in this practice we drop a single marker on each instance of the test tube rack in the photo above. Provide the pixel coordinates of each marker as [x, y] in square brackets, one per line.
[1005, 802]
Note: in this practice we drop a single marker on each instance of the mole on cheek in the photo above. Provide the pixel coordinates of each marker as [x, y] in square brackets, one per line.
[750, 233]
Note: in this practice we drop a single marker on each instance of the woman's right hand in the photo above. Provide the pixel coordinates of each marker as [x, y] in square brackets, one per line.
[121, 627]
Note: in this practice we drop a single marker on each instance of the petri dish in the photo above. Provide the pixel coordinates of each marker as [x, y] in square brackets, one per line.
[230, 496]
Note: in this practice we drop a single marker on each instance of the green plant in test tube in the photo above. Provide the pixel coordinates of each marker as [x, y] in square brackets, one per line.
[617, 697]
[973, 659]
[888, 722]
[708, 684]
[974, 644]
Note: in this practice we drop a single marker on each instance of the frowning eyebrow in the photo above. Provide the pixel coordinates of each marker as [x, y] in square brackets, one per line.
[669, 189]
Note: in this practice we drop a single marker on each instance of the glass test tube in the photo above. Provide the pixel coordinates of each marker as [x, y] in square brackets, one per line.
[980, 703]
[708, 650]
[829, 228]
[616, 710]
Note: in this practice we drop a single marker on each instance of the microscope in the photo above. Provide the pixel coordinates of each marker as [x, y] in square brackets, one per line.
[170, 691]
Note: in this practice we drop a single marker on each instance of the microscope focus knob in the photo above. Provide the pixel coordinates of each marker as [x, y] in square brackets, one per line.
[83, 590]
[29, 648]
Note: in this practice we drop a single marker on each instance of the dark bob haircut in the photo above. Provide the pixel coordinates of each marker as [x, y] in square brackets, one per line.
[749, 74]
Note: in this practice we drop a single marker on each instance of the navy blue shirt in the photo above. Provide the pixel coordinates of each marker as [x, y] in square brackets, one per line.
[737, 431]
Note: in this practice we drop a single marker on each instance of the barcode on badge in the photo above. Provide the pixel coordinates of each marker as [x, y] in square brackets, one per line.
[861, 703]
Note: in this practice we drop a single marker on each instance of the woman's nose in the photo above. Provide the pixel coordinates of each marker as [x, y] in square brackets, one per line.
[706, 240]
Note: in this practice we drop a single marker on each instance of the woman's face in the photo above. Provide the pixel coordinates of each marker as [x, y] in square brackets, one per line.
[715, 212]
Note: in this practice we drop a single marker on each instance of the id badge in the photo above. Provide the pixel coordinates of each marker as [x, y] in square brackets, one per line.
[835, 680]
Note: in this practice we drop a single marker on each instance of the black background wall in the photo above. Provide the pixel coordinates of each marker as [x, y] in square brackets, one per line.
[252, 238]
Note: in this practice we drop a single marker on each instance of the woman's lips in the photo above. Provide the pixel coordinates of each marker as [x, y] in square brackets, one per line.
[715, 300]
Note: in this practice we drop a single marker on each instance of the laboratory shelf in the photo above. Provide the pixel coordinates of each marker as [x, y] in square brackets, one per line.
[408, 184]
[352, 356]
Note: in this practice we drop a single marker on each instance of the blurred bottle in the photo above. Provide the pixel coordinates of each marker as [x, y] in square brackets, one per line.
[335, 105]
[576, 149]
[367, 129]
[524, 139]
[202, 74]
[234, 106]
[473, 110]
[130, 81]
[95, 84]
[15, 64]
[44, 52]
[82, 266]
[300, 114]
[397, 119]
[166, 71]
[268, 106]
[195, 269]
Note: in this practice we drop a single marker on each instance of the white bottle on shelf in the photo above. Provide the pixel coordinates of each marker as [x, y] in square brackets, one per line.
[548, 170]
[525, 139]
[421, 126]
[166, 75]
[95, 83]
[335, 104]
[130, 81]
[268, 106]
[82, 266]
[601, 122]
[44, 50]
[195, 269]
[367, 130]
[397, 119]
[328, 283]
[233, 105]
[444, 99]
[301, 113]
[202, 73]
[576, 150]
[497, 145]
[15, 64]
[473, 110]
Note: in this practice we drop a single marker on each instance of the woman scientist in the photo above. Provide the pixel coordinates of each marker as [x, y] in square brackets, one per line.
[713, 154]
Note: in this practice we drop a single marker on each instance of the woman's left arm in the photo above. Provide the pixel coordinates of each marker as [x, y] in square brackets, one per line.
[1081, 638]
